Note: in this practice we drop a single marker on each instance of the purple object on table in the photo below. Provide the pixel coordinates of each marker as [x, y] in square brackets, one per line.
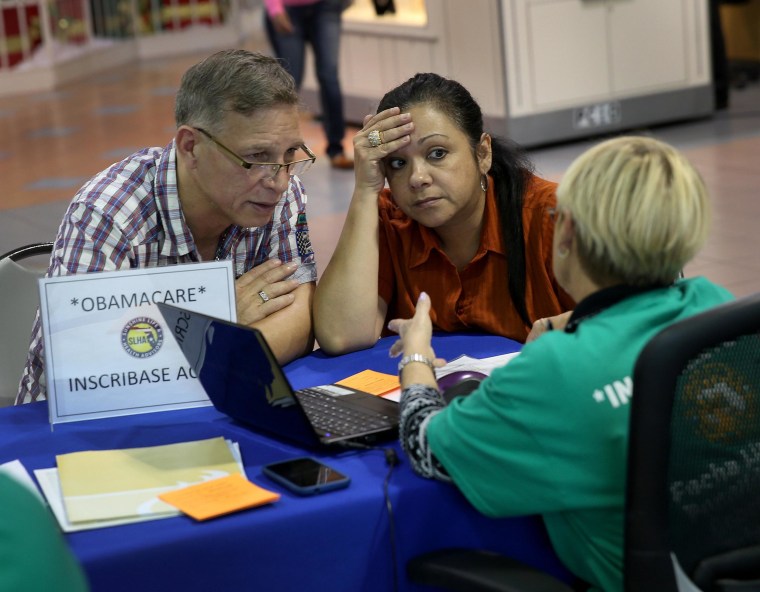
[459, 383]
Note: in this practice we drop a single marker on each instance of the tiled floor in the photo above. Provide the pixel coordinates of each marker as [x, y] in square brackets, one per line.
[50, 143]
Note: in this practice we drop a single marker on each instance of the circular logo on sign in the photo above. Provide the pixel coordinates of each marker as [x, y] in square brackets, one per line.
[142, 337]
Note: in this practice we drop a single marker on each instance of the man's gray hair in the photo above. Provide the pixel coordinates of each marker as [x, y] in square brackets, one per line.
[234, 80]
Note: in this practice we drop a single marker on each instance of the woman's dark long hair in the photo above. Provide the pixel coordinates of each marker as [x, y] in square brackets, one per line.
[510, 166]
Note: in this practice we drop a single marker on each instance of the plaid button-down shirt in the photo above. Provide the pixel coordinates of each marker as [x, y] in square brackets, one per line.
[129, 216]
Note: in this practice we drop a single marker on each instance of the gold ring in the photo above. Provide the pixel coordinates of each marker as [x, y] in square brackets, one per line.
[375, 138]
[264, 297]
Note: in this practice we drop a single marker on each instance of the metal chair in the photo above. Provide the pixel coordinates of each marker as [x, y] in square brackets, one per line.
[20, 269]
[21, 253]
[692, 503]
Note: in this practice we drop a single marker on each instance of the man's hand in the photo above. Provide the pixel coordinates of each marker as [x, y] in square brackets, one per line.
[264, 290]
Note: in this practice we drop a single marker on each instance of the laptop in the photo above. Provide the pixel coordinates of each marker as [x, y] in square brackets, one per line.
[243, 380]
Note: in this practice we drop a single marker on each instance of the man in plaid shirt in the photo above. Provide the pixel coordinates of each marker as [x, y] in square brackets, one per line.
[226, 187]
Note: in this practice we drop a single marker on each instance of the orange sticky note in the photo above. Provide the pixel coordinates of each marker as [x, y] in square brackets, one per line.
[369, 381]
[218, 497]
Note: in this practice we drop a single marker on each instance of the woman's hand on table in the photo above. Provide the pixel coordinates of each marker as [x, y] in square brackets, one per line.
[555, 323]
[415, 337]
[415, 334]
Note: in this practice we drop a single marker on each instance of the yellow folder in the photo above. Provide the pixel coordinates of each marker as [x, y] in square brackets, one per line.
[111, 484]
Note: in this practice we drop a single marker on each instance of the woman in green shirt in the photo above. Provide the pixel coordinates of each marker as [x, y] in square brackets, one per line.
[33, 554]
[548, 433]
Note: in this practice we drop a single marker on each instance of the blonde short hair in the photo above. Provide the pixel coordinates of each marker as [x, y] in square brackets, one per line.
[640, 209]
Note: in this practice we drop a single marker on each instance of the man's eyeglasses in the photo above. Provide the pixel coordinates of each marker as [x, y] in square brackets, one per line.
[269, 169]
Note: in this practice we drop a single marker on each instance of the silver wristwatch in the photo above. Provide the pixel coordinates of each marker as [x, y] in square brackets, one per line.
[414, 358]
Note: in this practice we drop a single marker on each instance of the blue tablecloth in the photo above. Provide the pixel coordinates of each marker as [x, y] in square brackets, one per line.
[339, 541]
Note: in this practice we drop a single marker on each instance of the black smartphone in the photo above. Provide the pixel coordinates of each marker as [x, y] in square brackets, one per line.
[306, 476]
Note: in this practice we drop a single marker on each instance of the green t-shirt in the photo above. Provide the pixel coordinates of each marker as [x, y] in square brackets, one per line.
[548, 433]
[33, 554]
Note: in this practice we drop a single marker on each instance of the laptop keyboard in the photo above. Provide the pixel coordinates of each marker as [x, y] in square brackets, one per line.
[327, 415]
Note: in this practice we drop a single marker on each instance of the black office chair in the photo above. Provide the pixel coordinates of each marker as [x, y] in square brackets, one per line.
[693, 494]
[693, 490]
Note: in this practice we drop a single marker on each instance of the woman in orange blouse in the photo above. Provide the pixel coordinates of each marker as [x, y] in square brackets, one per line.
[464, 219]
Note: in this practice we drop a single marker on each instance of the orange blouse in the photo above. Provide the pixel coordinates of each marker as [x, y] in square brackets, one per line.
[477, 297]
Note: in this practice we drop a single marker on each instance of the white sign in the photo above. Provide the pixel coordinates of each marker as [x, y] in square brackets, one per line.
[108, 350]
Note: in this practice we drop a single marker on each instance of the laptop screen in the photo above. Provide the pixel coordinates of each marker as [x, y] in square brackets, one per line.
[239, 373]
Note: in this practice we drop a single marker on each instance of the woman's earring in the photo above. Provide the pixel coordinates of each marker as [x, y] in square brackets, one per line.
[484, 183]
[563, 252]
